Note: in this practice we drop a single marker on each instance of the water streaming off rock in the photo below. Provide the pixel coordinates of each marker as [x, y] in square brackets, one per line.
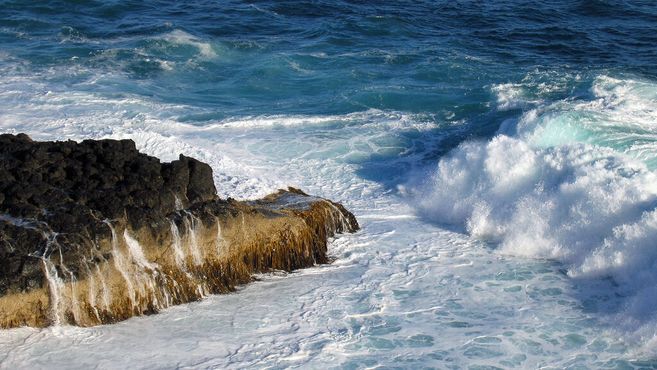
[141, 273]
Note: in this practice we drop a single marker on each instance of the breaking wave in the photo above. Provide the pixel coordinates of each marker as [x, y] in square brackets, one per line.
[571, 181]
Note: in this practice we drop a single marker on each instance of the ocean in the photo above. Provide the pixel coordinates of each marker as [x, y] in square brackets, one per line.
[500, 156]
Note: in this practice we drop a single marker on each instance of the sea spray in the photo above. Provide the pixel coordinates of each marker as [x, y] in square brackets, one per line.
[145, 272]
[55, 286]
[563, 183]
[74, 304]
[137, 252]
[176, 244]
[55, 283]
[121, 265]
[192, 224]
[221, 243]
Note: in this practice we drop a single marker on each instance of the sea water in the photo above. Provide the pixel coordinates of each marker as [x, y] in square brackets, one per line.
[500, 157]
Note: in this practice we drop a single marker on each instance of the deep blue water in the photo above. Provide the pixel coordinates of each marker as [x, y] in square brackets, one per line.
[332, 57]
[514, 138]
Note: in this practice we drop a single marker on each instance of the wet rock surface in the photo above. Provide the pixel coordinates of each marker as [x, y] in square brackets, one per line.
[71, 212]
[106, 177]
[69, 188]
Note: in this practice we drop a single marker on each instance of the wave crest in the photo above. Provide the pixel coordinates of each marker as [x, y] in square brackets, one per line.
[564, 182]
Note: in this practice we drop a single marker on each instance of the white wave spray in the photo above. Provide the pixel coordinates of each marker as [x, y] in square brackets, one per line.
[564, 183]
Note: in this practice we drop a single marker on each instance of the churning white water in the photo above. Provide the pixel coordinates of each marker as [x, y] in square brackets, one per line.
[532, 249]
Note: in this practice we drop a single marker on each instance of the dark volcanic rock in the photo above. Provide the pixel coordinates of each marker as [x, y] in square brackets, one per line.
[94, 179]
[96, 232]
[73, 187]
[191, 178]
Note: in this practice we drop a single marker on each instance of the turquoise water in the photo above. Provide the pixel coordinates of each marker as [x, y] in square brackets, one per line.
[499, 156]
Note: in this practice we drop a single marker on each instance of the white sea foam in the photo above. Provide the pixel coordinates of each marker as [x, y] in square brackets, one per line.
[560, 184]
[369, 117]
[401, 291]
[137, 252]
[512, 95]
[181, 37]
[621, 114]
[535, 88]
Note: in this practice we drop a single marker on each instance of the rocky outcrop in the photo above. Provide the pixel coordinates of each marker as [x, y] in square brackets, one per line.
[96, 232]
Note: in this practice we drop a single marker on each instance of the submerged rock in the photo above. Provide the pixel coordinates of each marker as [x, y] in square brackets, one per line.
[96, 232]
